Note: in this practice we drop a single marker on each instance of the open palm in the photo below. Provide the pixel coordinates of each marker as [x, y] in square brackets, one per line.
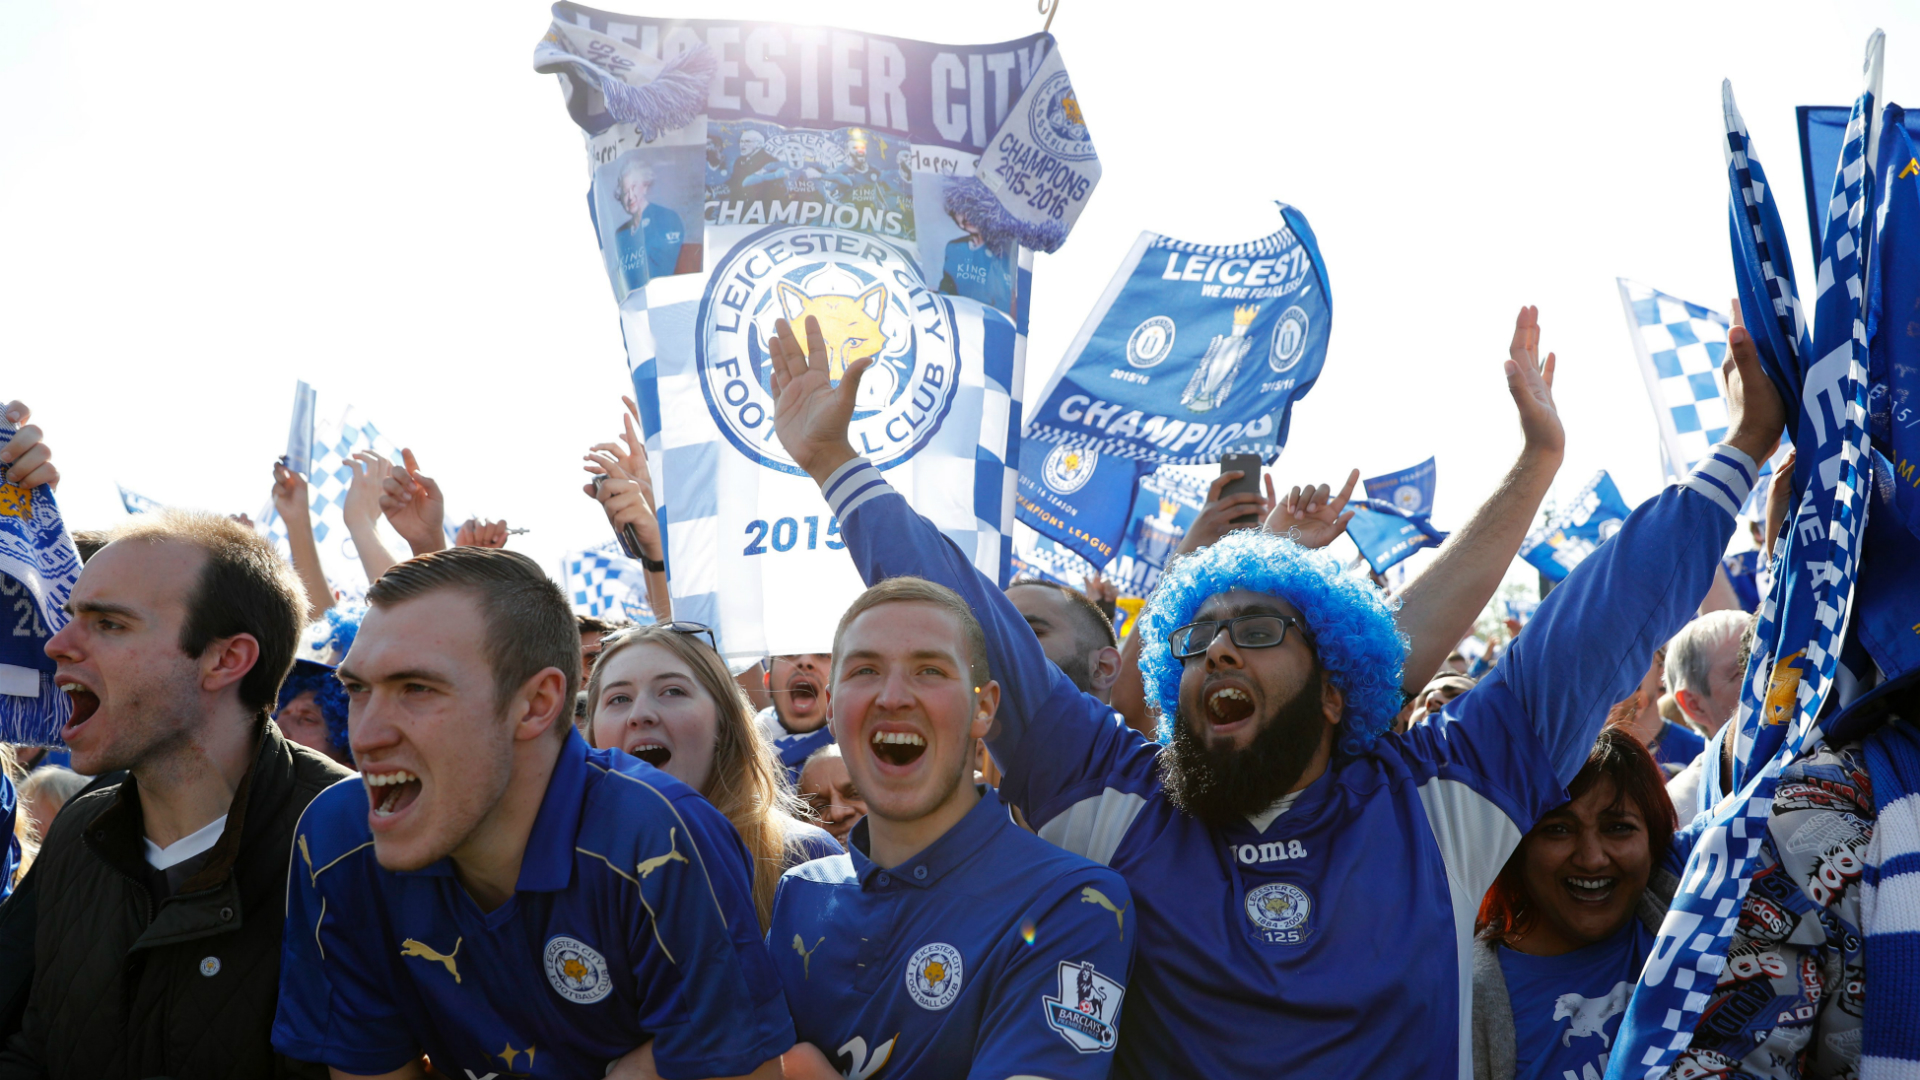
[810, 414]
[1313, 516]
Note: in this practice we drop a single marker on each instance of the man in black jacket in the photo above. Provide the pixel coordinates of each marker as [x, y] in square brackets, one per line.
[160, 899]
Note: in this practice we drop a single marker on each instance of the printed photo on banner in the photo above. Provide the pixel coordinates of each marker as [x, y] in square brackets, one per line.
[647, 205]
[850, 178]
[952, 241]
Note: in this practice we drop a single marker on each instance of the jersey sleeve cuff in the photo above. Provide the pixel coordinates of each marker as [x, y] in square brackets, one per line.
[852, 486]
[1726, 476]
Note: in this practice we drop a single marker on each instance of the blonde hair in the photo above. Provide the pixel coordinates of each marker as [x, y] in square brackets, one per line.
[23, 827]
[744, 783]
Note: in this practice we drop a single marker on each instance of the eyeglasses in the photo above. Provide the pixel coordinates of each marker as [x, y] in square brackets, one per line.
[678, 626]
[1247, 631]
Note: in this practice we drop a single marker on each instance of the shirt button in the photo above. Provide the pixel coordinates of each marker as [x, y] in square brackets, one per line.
[226, 915]
[885, 880]
[919, 873]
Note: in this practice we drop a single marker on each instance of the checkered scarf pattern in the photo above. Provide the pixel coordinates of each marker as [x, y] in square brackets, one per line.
[1801, 623]
[602, 581]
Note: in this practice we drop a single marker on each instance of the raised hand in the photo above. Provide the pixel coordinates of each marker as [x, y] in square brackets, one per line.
[414, 506]
[1313, 516]
[474, 532]
[810, 414]
[290, 496]
[362, 504]
[1530, 381]
[29, 463]
[1217, 517]
[1755, 414]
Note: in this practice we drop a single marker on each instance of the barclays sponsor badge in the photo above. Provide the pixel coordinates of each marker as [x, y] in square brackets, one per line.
[872, 303]
[1086, 1011]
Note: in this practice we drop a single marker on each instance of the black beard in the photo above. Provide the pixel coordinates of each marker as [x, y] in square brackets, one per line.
[1221, 785]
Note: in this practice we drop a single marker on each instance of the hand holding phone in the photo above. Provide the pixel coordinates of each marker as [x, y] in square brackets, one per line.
[1248, 466]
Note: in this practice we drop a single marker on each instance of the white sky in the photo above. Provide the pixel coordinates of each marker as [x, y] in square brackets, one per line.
[200, 208]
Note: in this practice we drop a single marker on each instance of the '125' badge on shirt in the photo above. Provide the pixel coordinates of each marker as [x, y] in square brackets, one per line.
[1280, 910]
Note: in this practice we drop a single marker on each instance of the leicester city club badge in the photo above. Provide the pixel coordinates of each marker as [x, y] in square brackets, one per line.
[871, 303]
[1281, 911]
[1068, 468]
[933, 975]
[1086, 1011]
[577, 971]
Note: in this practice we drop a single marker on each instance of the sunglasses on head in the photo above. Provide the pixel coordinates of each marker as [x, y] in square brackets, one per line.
[678, 626]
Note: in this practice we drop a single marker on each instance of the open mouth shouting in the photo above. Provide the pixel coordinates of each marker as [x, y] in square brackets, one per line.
[85, 704]
[898, 749]
[1227, 706]
[802, 694]
[390, 794]
[650, 750]
[1590, 890]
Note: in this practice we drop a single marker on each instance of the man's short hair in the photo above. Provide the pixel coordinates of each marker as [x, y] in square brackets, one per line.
[88, 542]
[1690, 652]
[913, 590]
[594, 624]
[244, 587]
[1092, 629]
[530, 626]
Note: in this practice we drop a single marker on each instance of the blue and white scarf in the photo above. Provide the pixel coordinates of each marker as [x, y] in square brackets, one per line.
[1890, 904]
[1802, 623]
[38, 568]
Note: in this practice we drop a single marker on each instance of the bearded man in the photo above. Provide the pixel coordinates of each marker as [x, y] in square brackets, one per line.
[1305, 883]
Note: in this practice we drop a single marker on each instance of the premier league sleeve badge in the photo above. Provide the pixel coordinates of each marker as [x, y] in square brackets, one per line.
[1086, 1011]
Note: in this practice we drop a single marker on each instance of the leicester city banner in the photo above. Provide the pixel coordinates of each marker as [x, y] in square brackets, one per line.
[38, 568]
[1570, 535]
[1077, 496]
[746, 172]
[1194, 351]
[1392, 522]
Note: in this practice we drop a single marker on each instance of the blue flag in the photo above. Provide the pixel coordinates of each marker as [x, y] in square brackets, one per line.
[1076, 496]
[1195, 351]
[1409, 489]
[1893, 318]
[1823, 131]
[1798, 634]
[1570, 535]
[1386, 534]
[300, 430]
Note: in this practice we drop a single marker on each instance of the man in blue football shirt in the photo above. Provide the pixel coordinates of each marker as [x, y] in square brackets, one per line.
[1298, 875]
[648, 245]
[947, 942]
[974, 270]
[796, 723]
[493, 894]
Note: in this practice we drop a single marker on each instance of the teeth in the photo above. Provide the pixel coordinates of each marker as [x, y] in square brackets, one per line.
[1229, 694]
[1590, 883]
[398, 776]
[71, 688]
[903, 738]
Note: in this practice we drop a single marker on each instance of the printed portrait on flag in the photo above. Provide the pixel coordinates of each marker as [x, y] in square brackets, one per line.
[840, 179]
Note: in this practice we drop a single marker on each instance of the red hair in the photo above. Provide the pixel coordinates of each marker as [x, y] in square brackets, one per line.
[1617, 757]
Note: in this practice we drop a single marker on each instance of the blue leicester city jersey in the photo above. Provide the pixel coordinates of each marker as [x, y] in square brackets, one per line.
[978, 274]
[990, 954]
[652, 250]
[1567, 1008]
[1676, 746]
[632, 920]
[1310, 938]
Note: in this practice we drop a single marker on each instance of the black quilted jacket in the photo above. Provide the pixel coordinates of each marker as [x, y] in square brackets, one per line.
[125, 988]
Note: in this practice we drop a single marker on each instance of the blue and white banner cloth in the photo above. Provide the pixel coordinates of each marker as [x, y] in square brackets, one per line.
[1077, 496]
[38, 568]
[1588, 520]
[328, 476]
[1680, 347]
[1392, 522]
[1409, 490]
[603, 582]
[747, 172]
[300, 431]
[1037, 556]
[136, 503]
[1802, 622]
[1194, 351]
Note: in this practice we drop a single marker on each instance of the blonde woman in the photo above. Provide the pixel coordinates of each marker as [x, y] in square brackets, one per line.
[662, 694]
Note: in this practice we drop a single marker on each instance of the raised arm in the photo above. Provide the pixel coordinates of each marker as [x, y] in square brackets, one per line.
[623, 486]
[362, 512]
[1438, 607]
[414, 506]
[290, 502]
[1593, 637]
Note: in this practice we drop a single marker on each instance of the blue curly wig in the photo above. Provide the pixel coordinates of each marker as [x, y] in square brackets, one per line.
[1351, 621]
[342, 626]
[328, 694]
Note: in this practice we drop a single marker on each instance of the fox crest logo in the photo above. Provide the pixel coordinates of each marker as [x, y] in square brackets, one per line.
[933, 976]
[871, 302]
[577, 971]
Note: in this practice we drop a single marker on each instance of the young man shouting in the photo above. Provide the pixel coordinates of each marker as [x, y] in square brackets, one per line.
[1306, 885]
[947, 942]
[492, 893]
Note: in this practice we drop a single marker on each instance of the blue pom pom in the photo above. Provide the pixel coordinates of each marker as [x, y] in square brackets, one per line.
[675, 98]
[1355, 636]
[967, 197]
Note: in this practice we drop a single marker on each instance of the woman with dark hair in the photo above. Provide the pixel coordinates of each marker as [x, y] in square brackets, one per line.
[665, 696]
[1567, 925]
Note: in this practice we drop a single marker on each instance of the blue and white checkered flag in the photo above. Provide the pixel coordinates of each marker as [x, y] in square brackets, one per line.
[602, 582]
[1798, 636]
[1680, 346]
[137, 503]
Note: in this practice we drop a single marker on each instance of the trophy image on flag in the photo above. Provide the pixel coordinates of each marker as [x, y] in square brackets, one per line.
[1213, 377]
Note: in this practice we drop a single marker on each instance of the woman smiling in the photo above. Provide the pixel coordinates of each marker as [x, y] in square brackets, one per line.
[1568, 923]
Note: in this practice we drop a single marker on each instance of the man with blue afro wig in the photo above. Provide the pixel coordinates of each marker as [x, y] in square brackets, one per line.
[1305, 882]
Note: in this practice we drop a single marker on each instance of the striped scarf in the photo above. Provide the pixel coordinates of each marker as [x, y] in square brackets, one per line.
[1890, 906]
[38, 568]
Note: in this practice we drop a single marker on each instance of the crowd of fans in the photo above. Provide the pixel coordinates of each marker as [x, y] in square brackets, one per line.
[1282, 824]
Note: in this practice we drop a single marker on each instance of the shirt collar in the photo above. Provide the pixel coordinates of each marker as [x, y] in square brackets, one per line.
[967, 838]
[547, 865]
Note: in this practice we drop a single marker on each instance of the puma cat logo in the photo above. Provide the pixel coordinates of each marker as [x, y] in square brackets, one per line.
[806, 954]
[424, 951]
[1091, 895]
[658, 861]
